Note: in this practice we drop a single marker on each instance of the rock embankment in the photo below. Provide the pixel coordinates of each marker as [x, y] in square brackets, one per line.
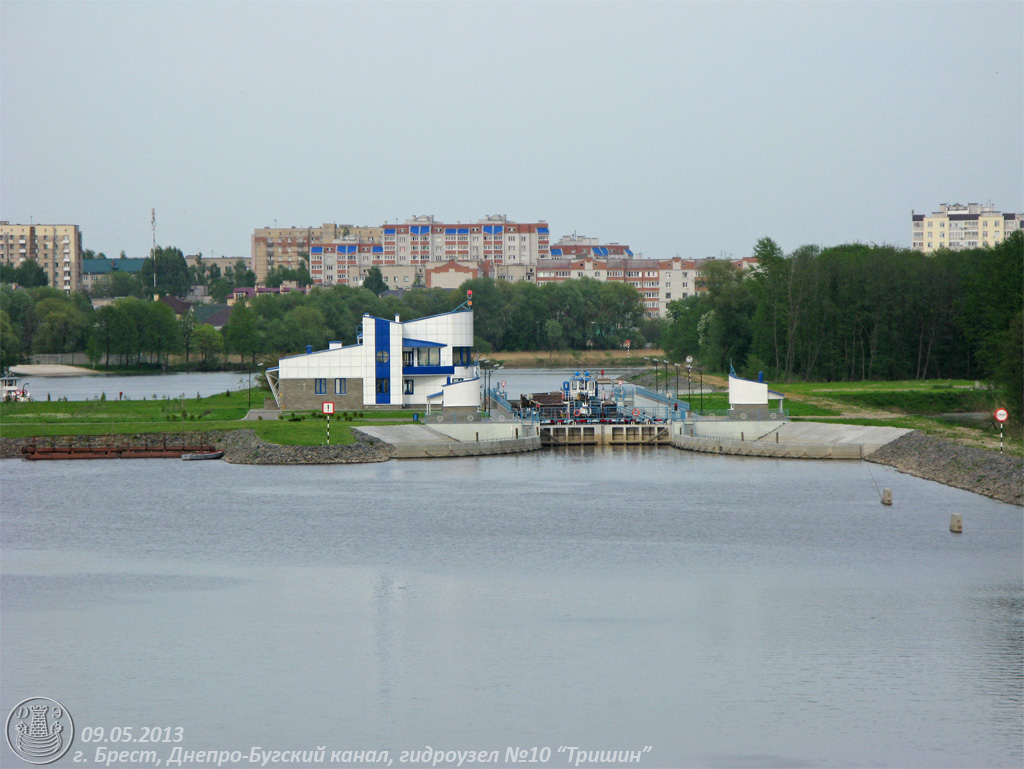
[244, 447]
[984, 472]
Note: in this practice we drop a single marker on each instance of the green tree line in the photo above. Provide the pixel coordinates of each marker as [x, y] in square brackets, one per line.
[859, 312]
[132, 331]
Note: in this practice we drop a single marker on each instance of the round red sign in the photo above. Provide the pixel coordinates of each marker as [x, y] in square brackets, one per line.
[1002, 415]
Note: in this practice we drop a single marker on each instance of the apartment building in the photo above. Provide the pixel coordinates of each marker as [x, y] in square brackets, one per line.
[289, 246]
[56, 247]
[659, 281]
[956, 227]
[343, 254]
[573, 247]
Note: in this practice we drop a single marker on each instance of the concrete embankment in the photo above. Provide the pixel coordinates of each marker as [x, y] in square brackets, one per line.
[462, 440]
[983, 472]
[787, 440]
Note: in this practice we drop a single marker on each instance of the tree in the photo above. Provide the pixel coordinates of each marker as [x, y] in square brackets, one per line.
[171, 272]
[186, 329]
[29, 274]
[10, 342]
[375, 281]
[162, 335]
[208, 343]
[117, 284]
[63, 328]
[242, 332]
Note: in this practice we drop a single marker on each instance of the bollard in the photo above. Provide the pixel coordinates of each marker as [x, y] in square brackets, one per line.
[956, 523]
[886, 496]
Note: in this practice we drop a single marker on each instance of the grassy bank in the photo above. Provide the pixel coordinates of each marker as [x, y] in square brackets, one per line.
[173, 415]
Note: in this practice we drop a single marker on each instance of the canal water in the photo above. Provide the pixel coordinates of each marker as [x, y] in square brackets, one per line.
[721, 611]
[150, 386]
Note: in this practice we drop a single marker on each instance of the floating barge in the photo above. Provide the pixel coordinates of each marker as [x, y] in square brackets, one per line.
[114, 447]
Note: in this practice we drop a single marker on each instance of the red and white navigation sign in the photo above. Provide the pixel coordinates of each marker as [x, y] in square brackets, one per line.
[328, 407]
[1002, 415]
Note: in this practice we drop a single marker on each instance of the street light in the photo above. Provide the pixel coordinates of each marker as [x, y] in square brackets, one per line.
[666, 376]
[677, 379]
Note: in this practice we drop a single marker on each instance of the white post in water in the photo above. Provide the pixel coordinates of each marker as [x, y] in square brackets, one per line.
[886, 496]
[956, 523]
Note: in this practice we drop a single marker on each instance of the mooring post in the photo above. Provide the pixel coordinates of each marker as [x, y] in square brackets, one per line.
[956, 523]
[887, 496]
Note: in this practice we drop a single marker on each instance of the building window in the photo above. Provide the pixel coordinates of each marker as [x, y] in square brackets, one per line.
[407, 386]
[383, 386]
[320, 386]
[383, 356]
[340, 386]
[428, 356]
[462, 356]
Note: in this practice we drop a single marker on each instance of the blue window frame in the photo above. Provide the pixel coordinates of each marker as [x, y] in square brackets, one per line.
[320, 386]
[340, 386]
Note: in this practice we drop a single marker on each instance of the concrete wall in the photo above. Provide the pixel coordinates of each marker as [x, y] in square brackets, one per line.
[734, 430]
[768, 449]
[465, 448]
[486, 431]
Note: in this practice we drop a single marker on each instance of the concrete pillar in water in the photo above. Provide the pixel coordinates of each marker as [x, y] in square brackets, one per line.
[886, 496]
[956, 523]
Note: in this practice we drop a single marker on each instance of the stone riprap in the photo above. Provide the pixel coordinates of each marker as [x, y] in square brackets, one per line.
[244, 447]
[983, 472]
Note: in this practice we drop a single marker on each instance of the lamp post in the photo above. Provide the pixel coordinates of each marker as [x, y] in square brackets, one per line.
[677, 379]
[666, 376]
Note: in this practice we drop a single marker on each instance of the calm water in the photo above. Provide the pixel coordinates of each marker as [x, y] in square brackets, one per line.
[724, 611]
[81, 388]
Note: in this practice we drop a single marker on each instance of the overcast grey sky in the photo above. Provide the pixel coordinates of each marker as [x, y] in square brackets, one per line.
[676, 127]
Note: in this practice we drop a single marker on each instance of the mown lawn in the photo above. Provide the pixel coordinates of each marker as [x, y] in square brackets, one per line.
[175, 415]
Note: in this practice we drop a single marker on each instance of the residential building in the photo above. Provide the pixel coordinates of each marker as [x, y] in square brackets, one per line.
[96, 269]
[450, 275]
[956, 227]
[659, 281]
[343, 254]
[420, 363]
[56, 247]
[289, 246]
[573, 246]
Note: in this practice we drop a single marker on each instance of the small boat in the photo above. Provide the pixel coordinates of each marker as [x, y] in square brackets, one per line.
[205, 455]
[10, 390]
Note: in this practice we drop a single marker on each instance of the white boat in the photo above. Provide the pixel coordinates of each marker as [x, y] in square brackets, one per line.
[11, 391]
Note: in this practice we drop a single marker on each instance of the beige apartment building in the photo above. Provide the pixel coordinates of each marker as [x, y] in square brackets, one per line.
[289, 246]
[956, 227]
[659, 281]
[56, 247]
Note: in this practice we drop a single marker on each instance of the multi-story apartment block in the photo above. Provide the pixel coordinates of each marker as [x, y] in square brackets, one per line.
[957, 226]
[56, 247]
[573, 247]
[659, 281]
[343, 254]
[290, 246]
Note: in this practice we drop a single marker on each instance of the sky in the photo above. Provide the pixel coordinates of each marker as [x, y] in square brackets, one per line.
[678, 128]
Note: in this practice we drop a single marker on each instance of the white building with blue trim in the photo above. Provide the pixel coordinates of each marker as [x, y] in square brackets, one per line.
[416, 364]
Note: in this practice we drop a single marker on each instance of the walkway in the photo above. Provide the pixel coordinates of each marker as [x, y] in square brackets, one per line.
[871, 438]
